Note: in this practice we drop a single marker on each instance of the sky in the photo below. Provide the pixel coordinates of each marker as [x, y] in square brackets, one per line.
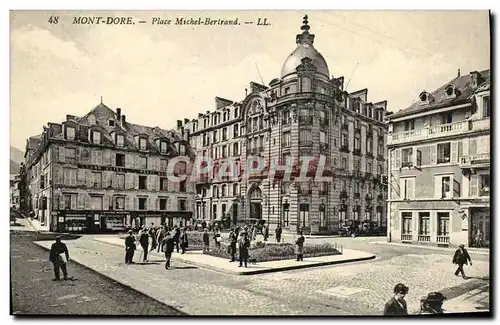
[158, 74]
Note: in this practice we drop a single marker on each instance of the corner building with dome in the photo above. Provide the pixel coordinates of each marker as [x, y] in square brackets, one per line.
[305, 112]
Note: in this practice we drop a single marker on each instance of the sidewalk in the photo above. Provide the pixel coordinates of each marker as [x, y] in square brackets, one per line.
[480, 251]
[223, 265]
[474, 301]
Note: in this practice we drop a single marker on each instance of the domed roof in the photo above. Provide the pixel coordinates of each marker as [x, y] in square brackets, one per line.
[305, 49]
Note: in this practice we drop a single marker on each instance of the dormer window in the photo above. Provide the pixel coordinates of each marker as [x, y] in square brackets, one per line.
[163, 147]
[182, 149]
[142, 144]
[111, 123]
[70, 133]
[96, 137]
[451, 91]
[119, 140]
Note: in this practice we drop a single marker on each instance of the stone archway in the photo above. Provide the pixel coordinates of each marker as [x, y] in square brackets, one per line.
[255, 198]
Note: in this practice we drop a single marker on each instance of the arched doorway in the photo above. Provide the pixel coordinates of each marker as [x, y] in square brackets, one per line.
[255, 196]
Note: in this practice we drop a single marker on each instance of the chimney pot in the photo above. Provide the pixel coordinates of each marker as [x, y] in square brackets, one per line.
[186, 121]
[246, 92]
[118, 113]
[459, 72]
[179, 123]
[123, 120]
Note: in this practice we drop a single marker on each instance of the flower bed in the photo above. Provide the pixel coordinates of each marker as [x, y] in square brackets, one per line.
[265, 252]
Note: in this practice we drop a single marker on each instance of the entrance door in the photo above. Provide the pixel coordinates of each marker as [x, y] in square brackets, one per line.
[480, 221]
[255, 210]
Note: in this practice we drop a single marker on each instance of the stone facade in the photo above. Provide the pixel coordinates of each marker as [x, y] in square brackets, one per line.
[440, 165]
[305, 113]
[100, 173]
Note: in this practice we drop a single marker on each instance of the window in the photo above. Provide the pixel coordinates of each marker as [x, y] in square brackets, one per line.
[236, 150]
[163, 165]
[305, 136]
[287, 90]
[214, 211]
[143, 163]
[424, 222]
[406, 218]
[235, 189]
[120, 160]
[224, 134]
[409, 125]
[444, 153]
[119, 140]
[163, 146]
[484, 185]
[369, 145]
[182, 149]
[443, 220]
[142, 182]
[67, 201]
[344, 163]
[142, 203]
[96, 137]
[142, 144]
[163, 184]
[96, 202]
[322, 137]
[380, 148]
[407, 157]
[120, 180]
[182, 186]
[322, 217]
[287, 136]
[304, 215]
[163, 204]
[286, 214]
[369, 167]
[215, 191]
[446, 187]
[70, 155]
[182, 205]
[446, 118]
[235, 129]
[97, 180]
[119, 203]
[486, 107]
[345, 140]
[70, 133]
[407, 188]
[214, 136]
[224, 151]
[236, 112]
[357, 143]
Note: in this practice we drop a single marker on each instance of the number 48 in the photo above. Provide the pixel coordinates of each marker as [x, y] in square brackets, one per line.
[53, 19]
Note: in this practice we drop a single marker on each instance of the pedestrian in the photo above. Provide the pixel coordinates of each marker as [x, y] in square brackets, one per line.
[299, 246]
[432, 303]
[461, 258]
[233, 239]
[204, 224]
[266, 232]
[278, 232]
[397, 304]
[168, 247]
[144, 241]
[59, 256]
[254, 232]
[153, 235]
[206, 241]
[177, 237]
[160, 236]
[184, 240]
[217, 238]
[129, 247]
[243, 245]
[237, 230]
[478, 239]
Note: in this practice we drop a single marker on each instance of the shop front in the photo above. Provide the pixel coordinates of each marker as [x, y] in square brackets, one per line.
[91, 221]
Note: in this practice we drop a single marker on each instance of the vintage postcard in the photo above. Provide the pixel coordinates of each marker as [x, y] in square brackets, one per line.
[256, 163]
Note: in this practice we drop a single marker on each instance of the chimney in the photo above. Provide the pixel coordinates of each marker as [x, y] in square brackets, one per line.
[118, 113]
[179, 123]
[186, 121]
[475, 79]
[208, 112]
[458, 72]
[200, 115]
[123, 120]
[246, 92]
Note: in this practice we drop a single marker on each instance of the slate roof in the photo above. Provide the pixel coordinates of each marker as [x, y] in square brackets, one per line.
[461, 83]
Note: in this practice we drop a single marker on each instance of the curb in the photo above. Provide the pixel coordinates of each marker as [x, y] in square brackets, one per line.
[277, 269]
[471, 250]
[181, 313]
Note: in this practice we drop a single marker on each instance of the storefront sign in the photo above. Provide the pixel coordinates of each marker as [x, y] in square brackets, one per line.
[122, 170]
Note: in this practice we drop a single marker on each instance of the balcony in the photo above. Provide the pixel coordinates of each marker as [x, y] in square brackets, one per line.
[355, 174]
[256, 150]
[443, 240]
[343, 194]
[406, 237]
[357, 152]
[438, 131]
[323, 146]
[479, 160]
[306, 120]
[380, 157]
[305, 143]
[309, 95]
[424, 238]
[344, 148]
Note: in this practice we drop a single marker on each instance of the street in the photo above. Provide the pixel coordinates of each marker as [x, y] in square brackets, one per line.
[87, 293]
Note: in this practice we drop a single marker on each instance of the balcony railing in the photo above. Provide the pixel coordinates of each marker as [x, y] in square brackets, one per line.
[443, 239]
[424, 238]
[323, 146]
[305, 143]
[406, 237]
[306, 120]
[357, 152]
[380, 157]
[369, 155]
[343, 194]
[285, 144]
[474, 160]
[256, 150]
[438, 131]
[309, 95]
[344, 148]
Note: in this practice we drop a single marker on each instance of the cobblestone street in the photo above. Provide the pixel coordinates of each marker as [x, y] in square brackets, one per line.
[353, 289]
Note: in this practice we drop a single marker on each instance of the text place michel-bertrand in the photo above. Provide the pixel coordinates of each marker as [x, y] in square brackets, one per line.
[207, 21]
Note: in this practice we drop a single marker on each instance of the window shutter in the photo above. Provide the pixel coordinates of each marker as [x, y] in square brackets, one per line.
[113, 159]
[92, 157]
[106, 158]
[73, 174]
[77, 155]
[74, 198]
[61, 202]
[410, 184]
[81, 200]
[67, 176]
[136, 162]
[402, 188]
[127, 203]
[59, 175]
[136, 181]
[105, 202]
[62, 154]
[434, 154]
[127, 161]
[437, 186]
[136, 204]
[484, 144]
[105, 180]
[88, 205]
[114, 180]
[473, 185]
[472, 146]
[88, 178]
[81, 177]
[419, 158]
[456, 188]
[454, 151]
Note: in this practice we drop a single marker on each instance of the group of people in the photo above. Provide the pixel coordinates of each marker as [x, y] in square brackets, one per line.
[433, 302]
[162, 239]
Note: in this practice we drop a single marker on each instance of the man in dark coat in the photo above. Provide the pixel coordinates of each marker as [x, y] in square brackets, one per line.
[168, 247]
[153, 235]
[278, 232]
[266, 232]
[129, 247]
[244, 244]
[397, 304]
[177, 237]
[160, 236]
[57, 259]
[299, 246]
[144, 240]
[184, 240]
[460, 258]
[206, 241]
[233, 239]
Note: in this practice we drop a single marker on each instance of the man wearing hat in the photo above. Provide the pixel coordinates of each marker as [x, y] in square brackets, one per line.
[432, 303]
[460, 258]
[397, 304]
[129, 247]
[168, 247]
[58, 259]
[244, 244]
